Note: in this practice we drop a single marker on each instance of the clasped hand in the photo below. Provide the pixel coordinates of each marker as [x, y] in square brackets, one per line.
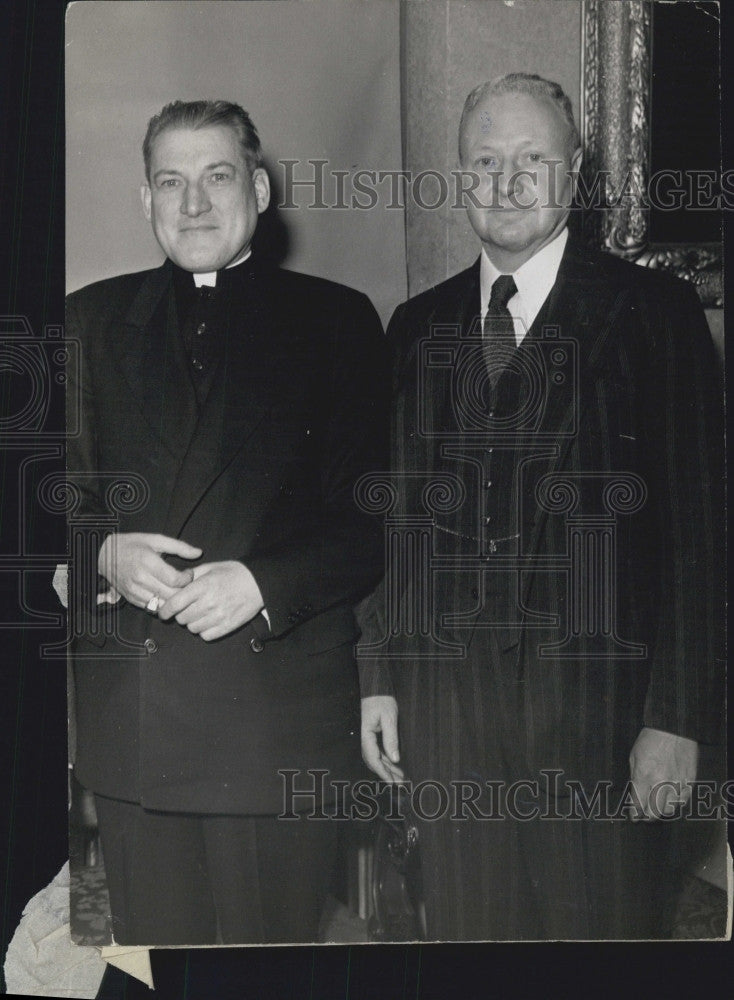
[211, 600]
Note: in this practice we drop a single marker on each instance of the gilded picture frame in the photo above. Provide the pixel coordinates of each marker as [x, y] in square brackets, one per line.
[616, 85]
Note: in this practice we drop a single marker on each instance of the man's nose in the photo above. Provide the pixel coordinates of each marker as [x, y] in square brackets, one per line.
[195, 200]
[506, 181]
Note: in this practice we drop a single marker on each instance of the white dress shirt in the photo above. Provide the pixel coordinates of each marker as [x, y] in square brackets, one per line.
[533, 279]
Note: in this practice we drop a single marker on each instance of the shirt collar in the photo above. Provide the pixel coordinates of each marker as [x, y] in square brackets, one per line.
[534, 279]
[210, 277]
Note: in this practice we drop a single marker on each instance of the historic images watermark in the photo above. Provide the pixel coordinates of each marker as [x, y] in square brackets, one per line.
[549, 796]
[314, 184]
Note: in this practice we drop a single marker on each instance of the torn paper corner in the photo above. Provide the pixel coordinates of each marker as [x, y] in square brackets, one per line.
[60, 584]
[41, 959]
[134, 961]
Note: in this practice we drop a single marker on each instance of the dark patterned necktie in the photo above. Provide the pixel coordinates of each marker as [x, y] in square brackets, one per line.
[498, 332]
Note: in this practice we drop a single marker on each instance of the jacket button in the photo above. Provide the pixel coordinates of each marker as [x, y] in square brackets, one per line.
[256, 645]
[474, 594]
[151, 646]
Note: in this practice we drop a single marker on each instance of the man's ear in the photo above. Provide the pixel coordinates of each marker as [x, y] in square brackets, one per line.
[145, 198]
[576, 159]
[261, 181]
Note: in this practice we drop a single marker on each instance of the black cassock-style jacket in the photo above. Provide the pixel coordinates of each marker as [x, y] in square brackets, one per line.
[265, 473]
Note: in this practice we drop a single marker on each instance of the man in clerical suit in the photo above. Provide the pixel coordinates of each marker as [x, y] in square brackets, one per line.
[227, 409]
[557, 422]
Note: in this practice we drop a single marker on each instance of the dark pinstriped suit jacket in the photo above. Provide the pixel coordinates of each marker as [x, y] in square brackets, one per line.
[643, 409]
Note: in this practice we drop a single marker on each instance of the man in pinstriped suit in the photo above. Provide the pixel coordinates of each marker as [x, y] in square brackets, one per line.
[573, 593]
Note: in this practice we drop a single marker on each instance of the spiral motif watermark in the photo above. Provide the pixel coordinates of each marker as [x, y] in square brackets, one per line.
[57, 494]
[625, 495]
[443, 494]
[128, 495]
[376, 493]
[557, 495]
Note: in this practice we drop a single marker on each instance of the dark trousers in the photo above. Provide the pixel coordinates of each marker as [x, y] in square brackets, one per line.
[509, 878]
[568, 880]
[179, 879]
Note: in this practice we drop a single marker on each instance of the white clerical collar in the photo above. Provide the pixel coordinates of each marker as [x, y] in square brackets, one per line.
[533, 279]
[210, 277]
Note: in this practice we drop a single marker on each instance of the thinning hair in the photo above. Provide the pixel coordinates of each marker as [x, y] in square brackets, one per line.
[200, 114]
[523, 83]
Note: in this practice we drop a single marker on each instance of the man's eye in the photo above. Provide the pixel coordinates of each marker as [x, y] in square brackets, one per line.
[535, 157]
[169, 182]
[488, 161]
[220, 178]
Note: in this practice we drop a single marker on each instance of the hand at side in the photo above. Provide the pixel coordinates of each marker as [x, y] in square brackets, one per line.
[662, 765]
[380, 716]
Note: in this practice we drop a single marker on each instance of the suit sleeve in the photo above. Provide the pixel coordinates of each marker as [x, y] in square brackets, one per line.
[377, 645]
[81, 468]
[337, 554]
[375, 677]
[684, 414]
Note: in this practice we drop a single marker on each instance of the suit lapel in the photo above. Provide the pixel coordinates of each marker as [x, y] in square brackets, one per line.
[581, 312]
[238, 399]
[468, 318]
[469, 515]
[147, 350]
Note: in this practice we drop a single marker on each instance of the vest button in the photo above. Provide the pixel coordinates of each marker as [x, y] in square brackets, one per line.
[151, 646]
[256, 645]
[201, 329]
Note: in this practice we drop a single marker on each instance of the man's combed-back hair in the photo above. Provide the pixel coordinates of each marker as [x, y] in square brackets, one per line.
[200, 114]
[522, 83]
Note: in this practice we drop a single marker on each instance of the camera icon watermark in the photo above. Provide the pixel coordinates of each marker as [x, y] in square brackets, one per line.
[36, 372]
[452, 366]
